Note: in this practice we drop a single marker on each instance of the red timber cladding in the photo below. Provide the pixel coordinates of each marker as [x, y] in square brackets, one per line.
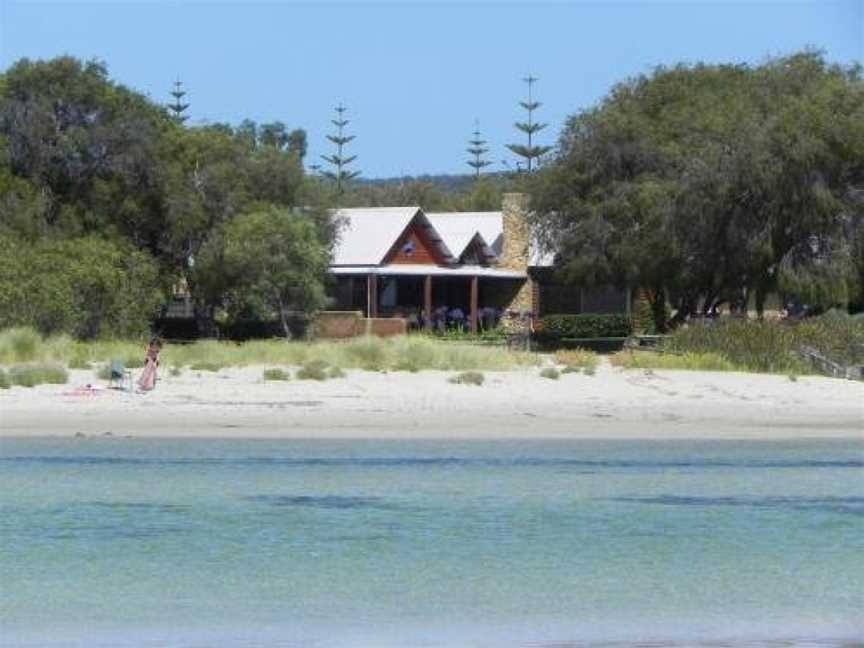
[414, 247]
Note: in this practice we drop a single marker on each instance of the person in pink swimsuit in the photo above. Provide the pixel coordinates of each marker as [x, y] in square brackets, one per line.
[147, 381]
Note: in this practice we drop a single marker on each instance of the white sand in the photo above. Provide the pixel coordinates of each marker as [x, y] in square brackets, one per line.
[614, 403]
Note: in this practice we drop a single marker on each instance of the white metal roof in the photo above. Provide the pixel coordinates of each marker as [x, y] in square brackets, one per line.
[458, 228]
[367, 234]
[406, 269]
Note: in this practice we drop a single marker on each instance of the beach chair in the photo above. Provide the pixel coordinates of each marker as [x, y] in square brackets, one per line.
[120, 377]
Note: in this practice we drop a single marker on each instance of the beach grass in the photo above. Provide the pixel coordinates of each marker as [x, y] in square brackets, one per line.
[475, 378]
[275, 374]
[205, 365]
[773, 347]
[686, 361]
[37, 373]
[313, 370]
[403, 353]
[551, 373]
[576, 359]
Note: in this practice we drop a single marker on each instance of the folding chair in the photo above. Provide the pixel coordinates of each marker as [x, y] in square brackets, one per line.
[120, 377]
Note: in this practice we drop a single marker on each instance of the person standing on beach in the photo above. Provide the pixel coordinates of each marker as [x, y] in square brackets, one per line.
[147, 381]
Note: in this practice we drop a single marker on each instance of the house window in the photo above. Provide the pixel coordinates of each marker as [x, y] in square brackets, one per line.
[409, 247]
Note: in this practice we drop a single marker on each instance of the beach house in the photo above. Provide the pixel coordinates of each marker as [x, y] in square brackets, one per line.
[404, 262]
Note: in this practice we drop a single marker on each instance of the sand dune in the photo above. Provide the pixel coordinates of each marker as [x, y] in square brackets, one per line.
[514, 404]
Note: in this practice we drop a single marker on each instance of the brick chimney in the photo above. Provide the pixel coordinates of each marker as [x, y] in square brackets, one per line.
[516, 232]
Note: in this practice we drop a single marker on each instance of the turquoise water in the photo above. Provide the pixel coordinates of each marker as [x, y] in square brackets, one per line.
[128, 542]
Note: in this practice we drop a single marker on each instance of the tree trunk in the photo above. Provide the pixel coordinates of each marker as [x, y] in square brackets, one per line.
[759, 299]
[686, 308]
[657, 299]
[283, 318]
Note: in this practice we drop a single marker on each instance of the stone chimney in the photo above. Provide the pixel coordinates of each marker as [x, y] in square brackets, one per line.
[516, 232]
[518, 295]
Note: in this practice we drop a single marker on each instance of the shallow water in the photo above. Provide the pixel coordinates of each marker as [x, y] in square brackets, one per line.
[115, 542]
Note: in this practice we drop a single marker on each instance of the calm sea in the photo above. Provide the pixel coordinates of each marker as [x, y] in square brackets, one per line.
[128, 542]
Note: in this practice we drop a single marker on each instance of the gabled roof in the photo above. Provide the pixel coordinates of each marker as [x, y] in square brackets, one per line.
[457, 229]
[367, 234]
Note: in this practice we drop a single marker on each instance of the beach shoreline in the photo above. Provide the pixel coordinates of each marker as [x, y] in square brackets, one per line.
[516, 404]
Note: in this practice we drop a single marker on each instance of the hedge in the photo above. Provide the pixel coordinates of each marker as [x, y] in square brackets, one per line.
[586, 325]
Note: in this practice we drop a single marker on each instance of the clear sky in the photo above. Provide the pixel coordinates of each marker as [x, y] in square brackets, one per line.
[414, 75]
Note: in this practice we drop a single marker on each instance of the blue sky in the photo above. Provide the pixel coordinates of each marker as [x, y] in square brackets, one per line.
[415, 75]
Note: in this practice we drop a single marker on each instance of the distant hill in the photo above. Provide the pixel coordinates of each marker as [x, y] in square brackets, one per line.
[454, 182]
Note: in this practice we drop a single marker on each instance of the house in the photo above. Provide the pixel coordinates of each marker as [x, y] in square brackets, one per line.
[404, 262]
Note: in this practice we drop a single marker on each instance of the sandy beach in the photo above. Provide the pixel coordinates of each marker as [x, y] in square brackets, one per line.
[614, 403]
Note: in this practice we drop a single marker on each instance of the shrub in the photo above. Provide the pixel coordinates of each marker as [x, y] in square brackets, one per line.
[552, 329]
[570, 369]
[468, 378]
[275, 374]
[86, 287]
[590, 371]
[175, 371]
[4, 380]
[774, 346]
[335, 372]
[30, 375]
[550, 372]
[313, 370]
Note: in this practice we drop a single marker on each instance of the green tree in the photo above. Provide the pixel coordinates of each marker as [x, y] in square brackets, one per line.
[530, 151]
[340, 175]
[712, 184]
[89, 147]
[86, 287]
[177, 107]
[277, 257]
[477, 149]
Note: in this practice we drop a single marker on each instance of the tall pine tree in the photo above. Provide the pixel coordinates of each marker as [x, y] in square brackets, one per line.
[477, 149]
[340, 175]
[531, 151]
[178, 107]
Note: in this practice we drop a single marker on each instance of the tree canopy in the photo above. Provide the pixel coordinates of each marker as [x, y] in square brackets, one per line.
[85, 159]
[713, 184]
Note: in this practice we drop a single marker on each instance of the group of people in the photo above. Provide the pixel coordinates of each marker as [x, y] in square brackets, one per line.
[451, 318]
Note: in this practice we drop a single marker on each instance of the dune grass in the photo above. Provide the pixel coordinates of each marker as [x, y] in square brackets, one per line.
[203, 365]
[32, 374]
[475, 378]
[574, 359]
[686, 361]
[772, 347]
[551, 373]
[313, 370]
[275, 374]
[404, 353]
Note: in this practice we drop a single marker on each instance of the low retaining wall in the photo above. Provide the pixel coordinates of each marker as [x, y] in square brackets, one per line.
[385, 326]
[348, 324]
